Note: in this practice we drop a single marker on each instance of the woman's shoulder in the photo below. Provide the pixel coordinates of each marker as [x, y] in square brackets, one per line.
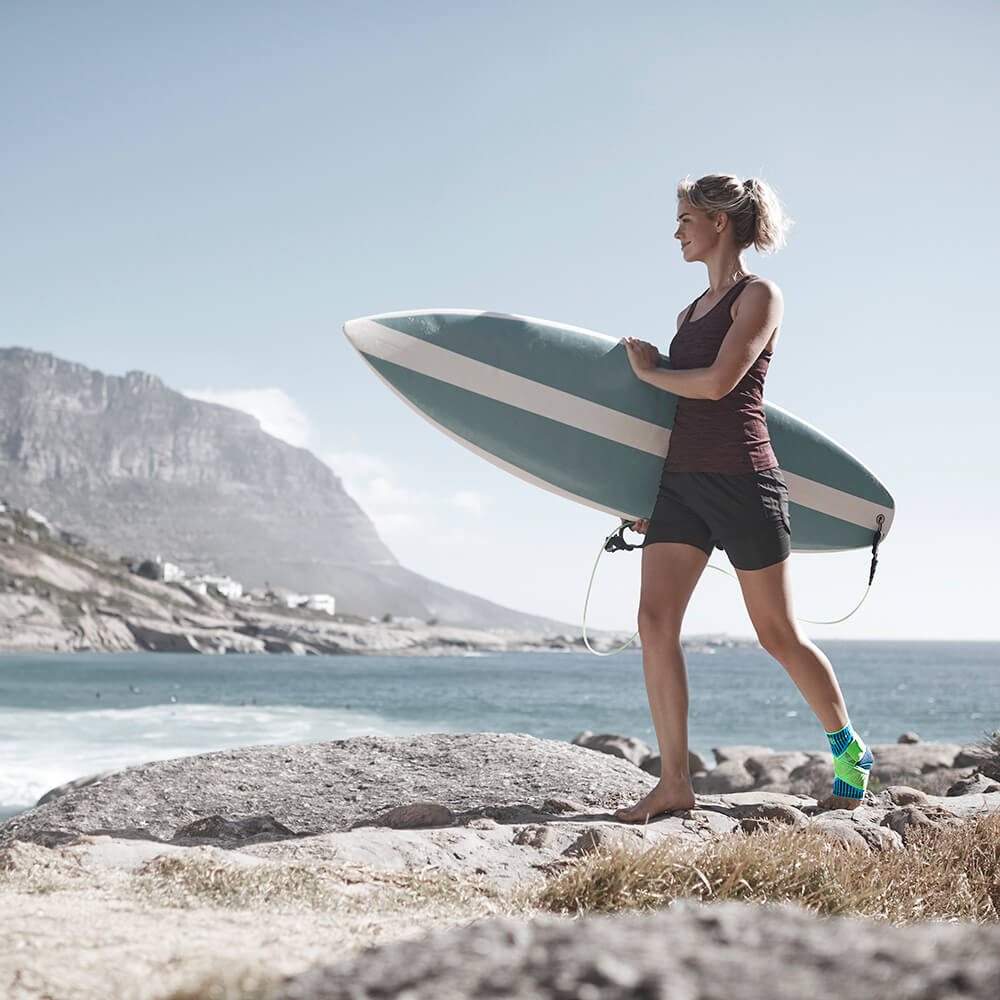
[760, 293]
[762, 288]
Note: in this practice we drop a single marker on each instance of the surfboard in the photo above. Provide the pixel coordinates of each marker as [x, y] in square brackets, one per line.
[559, 407]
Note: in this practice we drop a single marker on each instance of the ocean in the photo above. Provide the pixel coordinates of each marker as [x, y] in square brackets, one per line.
[65, 716]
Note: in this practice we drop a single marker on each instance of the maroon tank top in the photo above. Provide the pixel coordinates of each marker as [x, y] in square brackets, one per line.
[727, 435]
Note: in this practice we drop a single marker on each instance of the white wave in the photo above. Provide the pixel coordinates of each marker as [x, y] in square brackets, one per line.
[41, 749]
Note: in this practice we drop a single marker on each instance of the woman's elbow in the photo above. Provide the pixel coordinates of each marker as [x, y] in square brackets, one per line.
[718, 389]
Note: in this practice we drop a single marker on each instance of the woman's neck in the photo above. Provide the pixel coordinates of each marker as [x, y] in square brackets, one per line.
[724, 272]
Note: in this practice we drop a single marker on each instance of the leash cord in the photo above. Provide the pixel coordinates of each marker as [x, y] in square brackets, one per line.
[615, 542]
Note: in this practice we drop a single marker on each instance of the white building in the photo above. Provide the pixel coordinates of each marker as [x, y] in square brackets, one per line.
[40, 518]
[172, 573]
[231, 590]
[322, 602]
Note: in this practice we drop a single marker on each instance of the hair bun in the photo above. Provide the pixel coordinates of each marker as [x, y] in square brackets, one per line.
[752, 206]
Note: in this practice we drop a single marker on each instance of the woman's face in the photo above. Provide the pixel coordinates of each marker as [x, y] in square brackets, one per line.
[698, 234]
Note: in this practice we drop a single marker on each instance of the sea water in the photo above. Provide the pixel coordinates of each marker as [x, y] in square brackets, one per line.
[63, 717]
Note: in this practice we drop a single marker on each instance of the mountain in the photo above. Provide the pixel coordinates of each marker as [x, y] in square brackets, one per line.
[139, 469]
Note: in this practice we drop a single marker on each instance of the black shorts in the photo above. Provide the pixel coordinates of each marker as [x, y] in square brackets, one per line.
[746, 515]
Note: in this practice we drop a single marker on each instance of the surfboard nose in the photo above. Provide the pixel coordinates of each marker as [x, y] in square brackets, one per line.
[357, 331]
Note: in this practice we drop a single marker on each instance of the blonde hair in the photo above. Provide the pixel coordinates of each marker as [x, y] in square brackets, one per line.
[752, 206]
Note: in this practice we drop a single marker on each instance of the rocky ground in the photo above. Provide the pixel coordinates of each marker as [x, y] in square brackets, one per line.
[690, 951]
[398, 836]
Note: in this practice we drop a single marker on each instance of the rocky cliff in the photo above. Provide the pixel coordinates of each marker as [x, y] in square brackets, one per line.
[137, 468]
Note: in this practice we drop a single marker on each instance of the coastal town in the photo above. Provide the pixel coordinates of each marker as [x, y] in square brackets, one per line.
[58, 595]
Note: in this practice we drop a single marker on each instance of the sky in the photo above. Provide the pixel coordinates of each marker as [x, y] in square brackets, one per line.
[208, 191]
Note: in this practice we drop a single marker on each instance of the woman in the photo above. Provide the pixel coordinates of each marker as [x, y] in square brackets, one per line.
[721, 486]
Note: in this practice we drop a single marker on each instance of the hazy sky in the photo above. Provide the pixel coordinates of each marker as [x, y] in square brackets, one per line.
[207, 191]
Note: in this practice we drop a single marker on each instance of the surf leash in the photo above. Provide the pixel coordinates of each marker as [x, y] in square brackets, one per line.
[615, 542]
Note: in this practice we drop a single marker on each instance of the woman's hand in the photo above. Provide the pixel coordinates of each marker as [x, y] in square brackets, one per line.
[642, 357]
[640, 527]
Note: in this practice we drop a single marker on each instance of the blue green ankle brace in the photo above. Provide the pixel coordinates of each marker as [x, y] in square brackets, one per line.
[852, 763]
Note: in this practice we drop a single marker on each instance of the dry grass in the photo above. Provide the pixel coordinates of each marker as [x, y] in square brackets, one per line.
[358, 897]
[988, 752]
[190, 884]
[948, 874]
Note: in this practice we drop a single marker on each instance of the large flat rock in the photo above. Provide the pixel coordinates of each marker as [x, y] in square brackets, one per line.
[318, 788]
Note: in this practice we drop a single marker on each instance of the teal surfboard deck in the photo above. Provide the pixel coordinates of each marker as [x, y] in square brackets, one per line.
[560, 407]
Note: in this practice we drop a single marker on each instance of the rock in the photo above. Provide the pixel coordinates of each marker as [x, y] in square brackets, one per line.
[729, 776]
[740, 753]
[69, 786]
[221, 829]
[536, 836]
[908, 738]
[603, 837]
[881, 838]
[972, 756]
[903, 795]
[894, 761]
[773, 771]
[325, 787]
[907, 820]
[652, 765]
[155, 640]
[974, 784]
[559, 806]
[718, 950]
[482, 823]
[629, 748]
[814, 778]
[710, 821]
[416, 815]
[839, 825]
[761, 815]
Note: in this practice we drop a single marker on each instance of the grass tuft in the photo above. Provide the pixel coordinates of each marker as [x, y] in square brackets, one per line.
[181, 882]
[944, 874]
[195, 883]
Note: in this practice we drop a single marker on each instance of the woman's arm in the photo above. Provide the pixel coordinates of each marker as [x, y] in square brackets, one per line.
[758, 315]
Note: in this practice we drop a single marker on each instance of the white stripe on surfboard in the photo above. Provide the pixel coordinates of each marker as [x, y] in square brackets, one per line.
[505, 387]
[527, 477]
[485, 380]
[829, 500]
[514, 470]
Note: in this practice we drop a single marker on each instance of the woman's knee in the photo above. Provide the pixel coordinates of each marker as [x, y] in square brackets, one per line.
[780, 639]
[658, 624]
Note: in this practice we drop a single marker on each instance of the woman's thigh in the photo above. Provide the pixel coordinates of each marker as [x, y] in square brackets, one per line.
[767, 594]
[670, 572]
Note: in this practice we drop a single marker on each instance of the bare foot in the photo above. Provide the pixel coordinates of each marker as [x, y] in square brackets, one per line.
[839, 802]
[662, 799]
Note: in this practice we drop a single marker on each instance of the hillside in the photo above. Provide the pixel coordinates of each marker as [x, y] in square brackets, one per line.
[138, 469]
